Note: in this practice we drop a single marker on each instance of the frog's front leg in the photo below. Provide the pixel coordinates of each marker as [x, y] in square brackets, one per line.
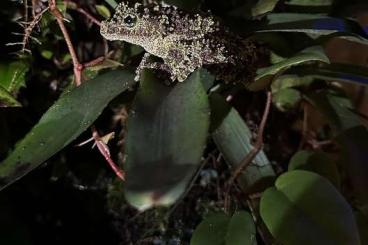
[145, 63]
[182, 64]
[141, 66]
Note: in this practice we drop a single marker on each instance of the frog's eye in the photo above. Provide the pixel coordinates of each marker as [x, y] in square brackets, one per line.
[130, 21]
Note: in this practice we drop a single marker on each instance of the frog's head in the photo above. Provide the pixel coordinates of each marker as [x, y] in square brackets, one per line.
[130, 23]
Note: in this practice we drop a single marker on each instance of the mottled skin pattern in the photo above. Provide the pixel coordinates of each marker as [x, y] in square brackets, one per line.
[184, 41]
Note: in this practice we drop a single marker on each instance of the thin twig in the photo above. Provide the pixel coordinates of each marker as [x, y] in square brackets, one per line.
[33, 7]
[261, 228]
[94, 62]
[305, 126]
[30, 26]
[104, 150]
[253, 153]
[77, 67]
[25, 10]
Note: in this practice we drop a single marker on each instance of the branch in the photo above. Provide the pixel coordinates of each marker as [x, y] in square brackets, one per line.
[253, 153]
[29, 27]
[104, 150]
[77, 67]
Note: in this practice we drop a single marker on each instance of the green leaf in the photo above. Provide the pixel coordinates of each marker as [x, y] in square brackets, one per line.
[290, 81]
[7, 100]
[12, 76]
[307, 55]
[310, 2]
[61, 5]
[233, 138]
[66, 58]
[241, 230]
[311, 54]
[337, 108]
[166, 134]
[47, 54]
[211, 231]
[304, 208]
[103, 11]
[112, 3]
[309, 6]
[334, 72]
[220, 229]
[314, 25]
[263, 6]
[318, 162]
[72, 114]
[286, 99]
[282, 18]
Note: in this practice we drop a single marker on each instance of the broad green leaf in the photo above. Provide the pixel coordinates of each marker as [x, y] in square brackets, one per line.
[211, 231]
[12, 75]
[337, 108]
[286, 99]
[274, 58]
[221, 229]
[354, 146]
[166, 134]
[314, 25]
[310, 2]
[7, 100]
[318, 162]
[304, 208]
[352, 136]
[310, 54]
[72, 114]
[241, 230]
[263, 6]
[103, 11]
[233, 138]
[334, 72]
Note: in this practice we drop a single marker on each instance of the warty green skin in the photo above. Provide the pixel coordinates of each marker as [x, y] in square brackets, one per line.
[184, 41]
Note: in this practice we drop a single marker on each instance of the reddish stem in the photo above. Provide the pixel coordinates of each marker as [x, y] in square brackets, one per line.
[104, 150]
[60, 20]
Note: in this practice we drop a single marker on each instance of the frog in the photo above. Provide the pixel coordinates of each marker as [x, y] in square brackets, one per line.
[183, 40]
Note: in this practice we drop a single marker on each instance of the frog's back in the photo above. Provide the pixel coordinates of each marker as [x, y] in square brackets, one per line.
[244, 57]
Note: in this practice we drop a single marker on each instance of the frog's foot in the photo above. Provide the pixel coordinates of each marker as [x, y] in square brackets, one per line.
[181, 72]
[146, 64]
[183, 67]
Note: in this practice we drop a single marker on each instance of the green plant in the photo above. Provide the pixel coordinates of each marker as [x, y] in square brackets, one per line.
[313, 199]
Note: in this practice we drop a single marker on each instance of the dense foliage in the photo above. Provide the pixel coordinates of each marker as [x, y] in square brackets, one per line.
[282, 160]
